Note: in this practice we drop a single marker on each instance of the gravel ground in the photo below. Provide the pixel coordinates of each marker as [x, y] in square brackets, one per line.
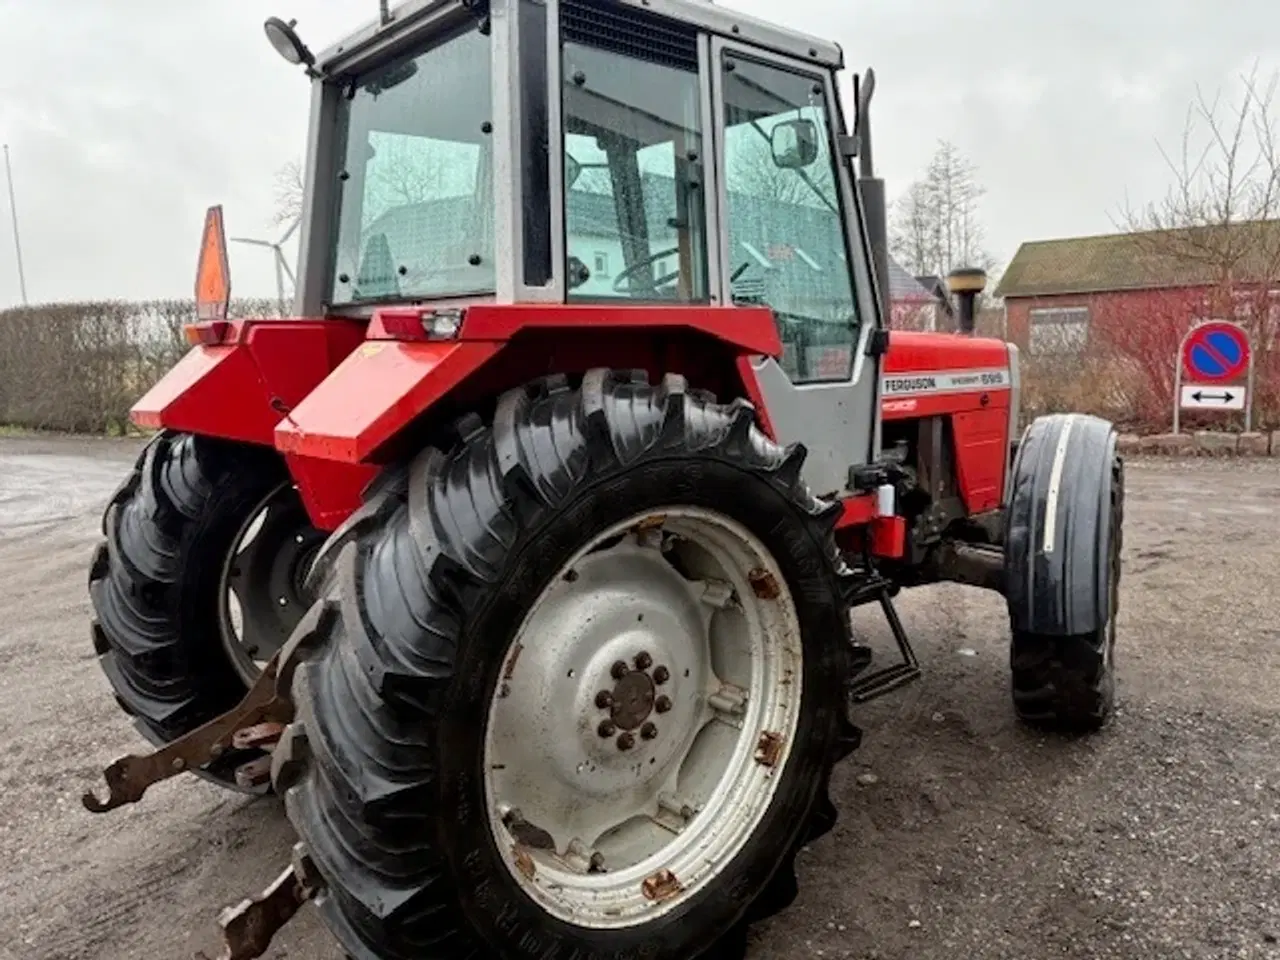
[961, 835]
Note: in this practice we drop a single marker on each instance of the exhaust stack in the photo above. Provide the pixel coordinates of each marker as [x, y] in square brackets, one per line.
[965, 283]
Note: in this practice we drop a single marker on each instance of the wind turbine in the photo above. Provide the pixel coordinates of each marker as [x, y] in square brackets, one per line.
[282, 265]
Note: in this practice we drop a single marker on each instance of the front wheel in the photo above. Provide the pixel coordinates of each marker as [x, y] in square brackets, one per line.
[576, 687]
[1064, 538]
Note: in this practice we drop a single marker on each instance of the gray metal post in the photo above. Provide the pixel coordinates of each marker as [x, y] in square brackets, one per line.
[1177, 390]
[17, 240]
[1248, 395]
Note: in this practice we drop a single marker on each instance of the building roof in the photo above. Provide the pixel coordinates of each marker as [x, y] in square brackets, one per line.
[904, 288]
[1190, 257]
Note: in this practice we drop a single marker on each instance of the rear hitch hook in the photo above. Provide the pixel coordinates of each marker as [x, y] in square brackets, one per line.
[249, 927]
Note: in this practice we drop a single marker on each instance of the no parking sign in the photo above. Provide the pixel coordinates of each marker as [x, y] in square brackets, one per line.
[1214, 371]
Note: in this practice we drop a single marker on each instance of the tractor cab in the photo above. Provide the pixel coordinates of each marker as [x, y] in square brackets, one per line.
[585, 151]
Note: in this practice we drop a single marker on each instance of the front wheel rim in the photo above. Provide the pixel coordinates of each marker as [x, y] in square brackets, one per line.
[643, 718]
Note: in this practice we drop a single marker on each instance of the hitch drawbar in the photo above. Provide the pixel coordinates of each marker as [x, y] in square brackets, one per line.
[252, 727]
[249, 926]
[255, 724]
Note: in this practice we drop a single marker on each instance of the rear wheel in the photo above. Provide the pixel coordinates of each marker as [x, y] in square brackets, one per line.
[198, 582]
[575, 688]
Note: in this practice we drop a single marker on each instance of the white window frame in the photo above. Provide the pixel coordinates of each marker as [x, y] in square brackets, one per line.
[1063, 321]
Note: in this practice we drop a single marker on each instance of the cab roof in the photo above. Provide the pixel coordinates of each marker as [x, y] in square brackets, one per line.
[345, 56]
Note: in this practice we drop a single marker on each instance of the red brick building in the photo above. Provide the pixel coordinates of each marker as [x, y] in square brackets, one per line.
[1135, 291]
[1126, 301]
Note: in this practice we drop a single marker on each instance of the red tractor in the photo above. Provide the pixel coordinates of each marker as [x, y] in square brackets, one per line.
[521, 564]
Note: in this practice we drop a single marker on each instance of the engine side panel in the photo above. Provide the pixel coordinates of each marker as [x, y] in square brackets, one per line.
[971, 382]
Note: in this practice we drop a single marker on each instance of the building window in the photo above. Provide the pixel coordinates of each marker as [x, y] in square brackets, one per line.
[602, 265]
[1059, 330]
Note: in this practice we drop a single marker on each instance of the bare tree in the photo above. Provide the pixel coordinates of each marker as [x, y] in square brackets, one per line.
[1213, 240]
[288, 193]
[934, 226]
[1219, 223]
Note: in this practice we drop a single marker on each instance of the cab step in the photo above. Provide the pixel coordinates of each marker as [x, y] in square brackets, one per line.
[876, 589]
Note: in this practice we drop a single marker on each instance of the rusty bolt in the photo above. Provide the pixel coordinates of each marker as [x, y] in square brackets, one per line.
[662, 704]
[661, 886]
[661, 676]
[769, 749]
[619, 670]
[626, 741]
[607, 729]
[643, 661]
[764, 584]
[649, 730]
[604, 699]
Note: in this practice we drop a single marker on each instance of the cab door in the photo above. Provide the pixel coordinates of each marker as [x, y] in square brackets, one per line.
[791, 239]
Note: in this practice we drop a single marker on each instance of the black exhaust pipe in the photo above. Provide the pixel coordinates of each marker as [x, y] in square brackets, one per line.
[874, 210]
[965, 283]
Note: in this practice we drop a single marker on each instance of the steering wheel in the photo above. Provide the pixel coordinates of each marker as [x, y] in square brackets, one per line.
[640, 265]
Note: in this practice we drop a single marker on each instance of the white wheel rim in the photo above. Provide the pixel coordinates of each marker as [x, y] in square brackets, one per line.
[608, 835]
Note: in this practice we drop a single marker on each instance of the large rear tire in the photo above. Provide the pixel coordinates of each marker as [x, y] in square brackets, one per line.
[198, 581]
[498, 626]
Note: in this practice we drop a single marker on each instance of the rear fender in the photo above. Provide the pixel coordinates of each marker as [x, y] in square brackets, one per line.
[389, 388]
[239, 387]
[242, 386]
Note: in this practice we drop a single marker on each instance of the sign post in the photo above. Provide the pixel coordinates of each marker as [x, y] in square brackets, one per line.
[1214, 371]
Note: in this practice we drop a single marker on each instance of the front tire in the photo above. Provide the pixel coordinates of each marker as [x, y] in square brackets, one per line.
[1064, 541]
[430, 610]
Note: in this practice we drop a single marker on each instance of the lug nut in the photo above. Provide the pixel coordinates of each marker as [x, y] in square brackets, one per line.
[661, 675]
[626, 741]
[649, 731]
[604, 699]
[619, 670]
[662, 704]
[643, 661]
[606, 729]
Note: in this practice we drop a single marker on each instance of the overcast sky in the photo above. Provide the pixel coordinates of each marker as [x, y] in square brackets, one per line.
[127, 118]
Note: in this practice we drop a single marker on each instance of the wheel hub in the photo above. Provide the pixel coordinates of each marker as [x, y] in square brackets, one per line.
[633, 699]
[262, 594]
[625, 730]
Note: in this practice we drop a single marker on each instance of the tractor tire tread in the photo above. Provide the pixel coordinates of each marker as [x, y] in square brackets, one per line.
[365, 792]
[157, 645]
[1067, 683]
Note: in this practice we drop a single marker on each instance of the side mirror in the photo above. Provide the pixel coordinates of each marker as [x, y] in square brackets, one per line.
[572, 170]
[794, 144]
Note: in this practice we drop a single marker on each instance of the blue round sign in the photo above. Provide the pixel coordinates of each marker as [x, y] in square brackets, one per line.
[1215, 352]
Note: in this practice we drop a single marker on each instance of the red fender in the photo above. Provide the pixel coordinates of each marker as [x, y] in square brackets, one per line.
[246, 376]
[387, 383]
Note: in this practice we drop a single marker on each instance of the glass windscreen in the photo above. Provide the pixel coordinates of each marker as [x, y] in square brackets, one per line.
[415, 208]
